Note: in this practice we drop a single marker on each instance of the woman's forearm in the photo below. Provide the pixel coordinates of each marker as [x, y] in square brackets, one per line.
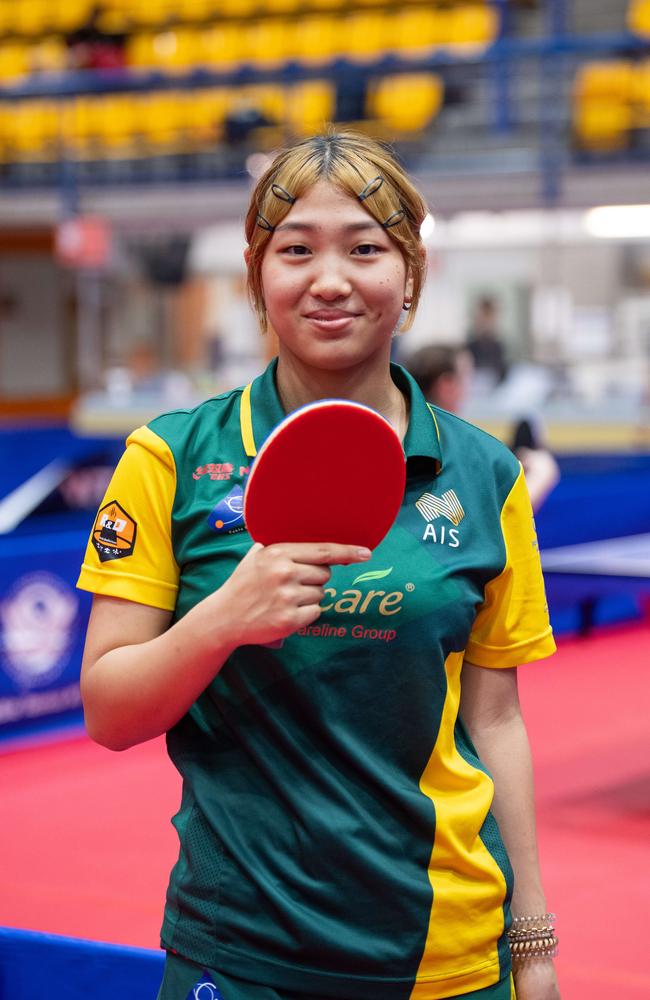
[504, 749]
[139, 676]
[137, 691]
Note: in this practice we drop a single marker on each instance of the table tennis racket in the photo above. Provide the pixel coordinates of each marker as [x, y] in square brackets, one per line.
[332, 471]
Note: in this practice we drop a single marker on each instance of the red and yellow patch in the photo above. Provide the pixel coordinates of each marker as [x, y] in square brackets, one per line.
[114, 532]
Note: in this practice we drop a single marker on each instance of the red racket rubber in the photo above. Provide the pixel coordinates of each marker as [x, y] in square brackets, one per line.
[333, 471]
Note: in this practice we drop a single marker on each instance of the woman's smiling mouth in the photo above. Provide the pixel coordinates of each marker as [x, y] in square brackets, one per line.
[331, 319]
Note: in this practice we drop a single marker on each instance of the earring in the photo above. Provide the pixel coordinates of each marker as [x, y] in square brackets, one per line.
[406, 305]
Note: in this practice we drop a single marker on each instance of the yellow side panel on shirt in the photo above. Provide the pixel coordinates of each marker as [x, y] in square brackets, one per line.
[129, 553]
[515, 601]
[465, 878]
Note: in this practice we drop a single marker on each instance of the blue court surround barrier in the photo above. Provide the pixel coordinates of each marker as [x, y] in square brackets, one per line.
[42, 615]
[35, 966]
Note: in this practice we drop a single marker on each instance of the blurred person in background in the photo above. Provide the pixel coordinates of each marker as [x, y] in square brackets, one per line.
[349, 795]
[484, 340]
[444, 374]
[89, 46]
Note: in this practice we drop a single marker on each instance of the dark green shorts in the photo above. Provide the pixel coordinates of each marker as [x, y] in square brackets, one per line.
[182, 977]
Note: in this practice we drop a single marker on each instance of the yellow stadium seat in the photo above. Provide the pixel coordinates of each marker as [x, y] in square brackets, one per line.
[31, 18]
[638, 17]
[162, 121]
[140, 52]
[270, 98]
[408, 102]
[317, 38]
[196, 10]
[174, 50]
[33, 131]
[14, 61]
[203, 114]
[328, 4]
[603, 126]
[78, 127]
[69, 15]
[49, 55]
[223, 45]
[5, 153]
[282, 6]
[269, 41]
[608, 81]
[415, 29]
[641, 90]
[236, 8]
[178, 49]
[116, 124]
[473, 25]
[153, 13]
[363, 35]
[310, 106]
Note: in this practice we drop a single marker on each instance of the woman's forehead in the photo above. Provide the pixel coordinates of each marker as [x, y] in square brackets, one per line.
[326, 202]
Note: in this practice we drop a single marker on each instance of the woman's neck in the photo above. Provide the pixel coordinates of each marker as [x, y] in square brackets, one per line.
[370, 384]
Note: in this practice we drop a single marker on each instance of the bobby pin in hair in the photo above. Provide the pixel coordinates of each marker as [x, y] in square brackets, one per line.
[264, 223]
[394, 219]
[371, 188]
[282, 194]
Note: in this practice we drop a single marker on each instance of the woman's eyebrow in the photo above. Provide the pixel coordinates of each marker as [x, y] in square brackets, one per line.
[310, 227]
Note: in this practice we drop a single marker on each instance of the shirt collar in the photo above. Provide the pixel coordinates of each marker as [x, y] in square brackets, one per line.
[261, 411]
[422, 440]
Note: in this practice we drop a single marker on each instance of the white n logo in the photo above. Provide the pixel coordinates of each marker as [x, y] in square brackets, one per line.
[448, 505]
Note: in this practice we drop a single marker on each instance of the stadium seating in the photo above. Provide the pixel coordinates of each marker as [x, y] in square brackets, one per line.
[406, 103]
[611, 100]
[177, 36]
[638, 17]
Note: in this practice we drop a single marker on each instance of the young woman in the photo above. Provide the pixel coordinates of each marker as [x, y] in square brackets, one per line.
[357, 810]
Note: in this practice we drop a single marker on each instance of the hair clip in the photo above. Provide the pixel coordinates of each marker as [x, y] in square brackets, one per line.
[282, 194]
[394, 219]
[264, 223]
[371, 188]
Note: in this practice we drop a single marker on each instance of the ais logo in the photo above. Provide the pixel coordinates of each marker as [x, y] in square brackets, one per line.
[447, 506]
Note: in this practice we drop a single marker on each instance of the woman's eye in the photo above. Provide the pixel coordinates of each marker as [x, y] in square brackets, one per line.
[296, 250]
[366, 249]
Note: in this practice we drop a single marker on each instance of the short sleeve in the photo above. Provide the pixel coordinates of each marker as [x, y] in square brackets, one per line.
[512, 625]
[130, 551]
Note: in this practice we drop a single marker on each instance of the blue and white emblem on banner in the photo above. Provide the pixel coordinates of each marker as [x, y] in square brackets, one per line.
[205, 989]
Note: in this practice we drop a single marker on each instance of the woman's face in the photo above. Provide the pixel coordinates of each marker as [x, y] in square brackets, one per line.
[333, 281]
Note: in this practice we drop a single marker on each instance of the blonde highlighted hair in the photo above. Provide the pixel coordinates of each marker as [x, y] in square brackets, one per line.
[352, 162]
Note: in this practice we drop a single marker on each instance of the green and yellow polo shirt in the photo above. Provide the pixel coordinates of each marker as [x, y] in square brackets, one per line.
[335, 827]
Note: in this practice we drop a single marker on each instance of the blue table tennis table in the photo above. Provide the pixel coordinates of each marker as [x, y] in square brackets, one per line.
[585, 574]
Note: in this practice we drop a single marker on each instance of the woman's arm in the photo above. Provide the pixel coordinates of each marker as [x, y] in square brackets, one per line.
[490, 710]
[140, 676]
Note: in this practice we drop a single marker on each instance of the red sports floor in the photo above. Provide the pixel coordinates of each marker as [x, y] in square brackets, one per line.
[87, 843]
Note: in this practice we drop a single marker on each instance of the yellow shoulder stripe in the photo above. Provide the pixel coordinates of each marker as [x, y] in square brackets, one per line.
[434, 421]
[246, 422]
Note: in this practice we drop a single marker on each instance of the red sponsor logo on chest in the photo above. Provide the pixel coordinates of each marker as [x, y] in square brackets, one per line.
[215, 470]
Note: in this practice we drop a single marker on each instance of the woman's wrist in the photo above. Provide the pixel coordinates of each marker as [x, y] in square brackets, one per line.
[532, 936]
[212, 630]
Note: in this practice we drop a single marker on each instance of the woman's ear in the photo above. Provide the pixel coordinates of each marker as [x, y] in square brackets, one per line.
[247, 255]
[408, 289]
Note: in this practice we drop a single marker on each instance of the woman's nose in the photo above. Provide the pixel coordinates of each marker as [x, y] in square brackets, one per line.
[330, 281]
